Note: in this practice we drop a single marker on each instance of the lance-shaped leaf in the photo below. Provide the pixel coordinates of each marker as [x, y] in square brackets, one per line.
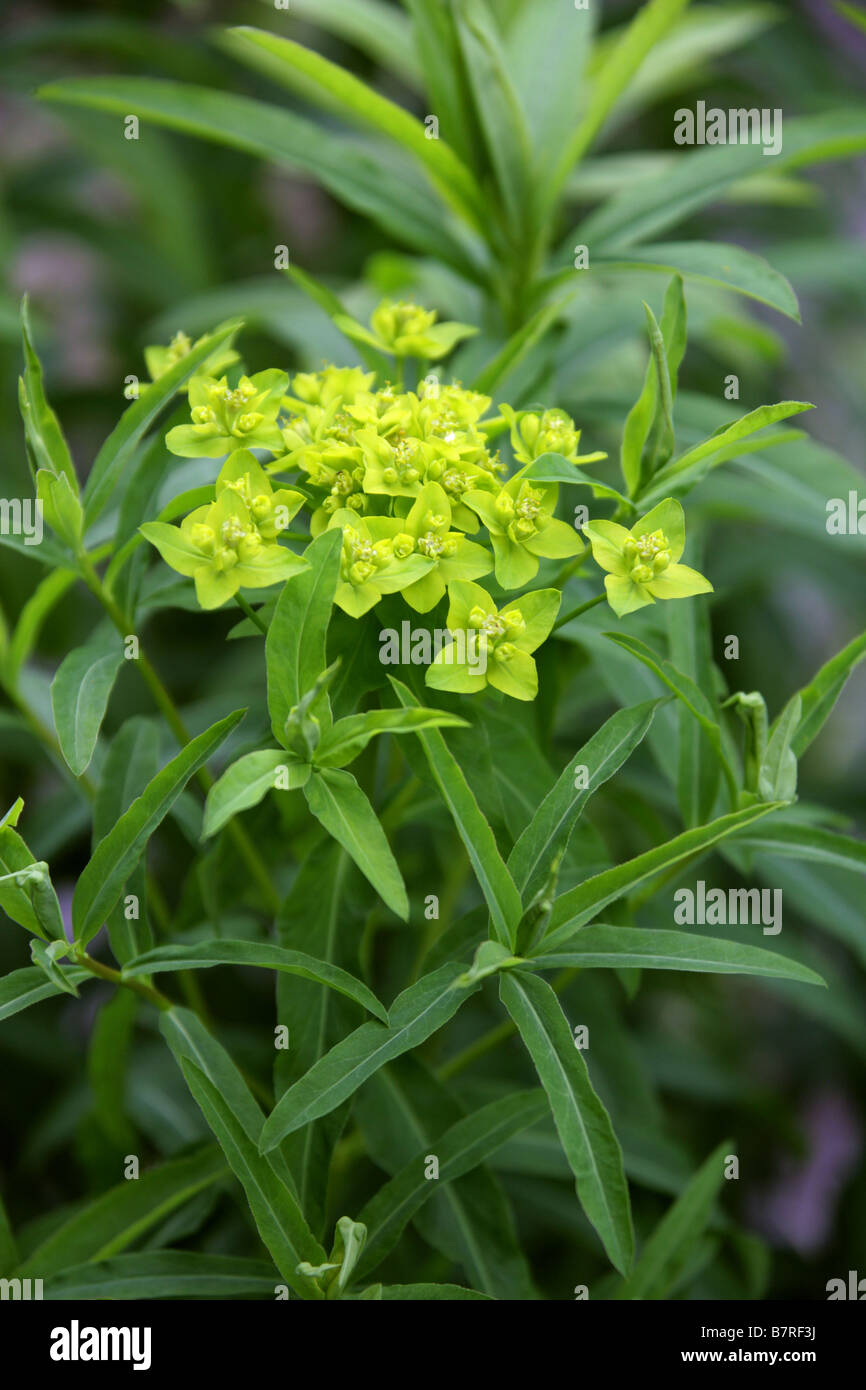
[101, 882]
[496, 882]
[519, 345]
[372, 26]
[812, 843]
[553, 468]
[460, 1149]
[431, 1293]
[137, 419]
[236, 1119]
[601, 947]
[326, 84]
[47, 445]
[26, 892]
[715, 262]
[547, 835]
[346, 739]
[247, 781]
[416, 1014]
[572, 910]
[648, 435]
[679, 1231]
[278, 1218]
[30, 985]
[80, 692]
[731, 442]
[200, 955]
[162, 1274]
[111, 1223]
[45, 596]
[685, 689]
[822, 692]
[337, 801]
[133, 759]
[777, 778]
[582, 1122]
[295, 645]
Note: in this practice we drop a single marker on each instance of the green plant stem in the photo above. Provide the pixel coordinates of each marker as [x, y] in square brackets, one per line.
[251, 614]
[105, 972]
[576, 612]
[170, 712]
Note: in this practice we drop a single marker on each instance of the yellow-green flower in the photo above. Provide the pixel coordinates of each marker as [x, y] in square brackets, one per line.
[426, 530]
[523, 527]
[642, 563]
[160, 360]
[506, 638]
[402, 329]
[333, 384]
[270, 509]
[371, 567]
[221, 548]
[553, 432]
[225, 418]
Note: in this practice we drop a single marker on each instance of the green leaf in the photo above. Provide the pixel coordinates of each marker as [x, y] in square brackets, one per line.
[236, 1119]
[685, 689]
[48, 447]
[698, 765]
[133, 759]
[445, 78]
[460, 1149]
[16, 896]
[111, 1223]
[101, 882]
[581, 1120]
[350, 736]
[376, 28]
[162, 1274]
[777, 778]
[376, 182]
[672, 1242]
[295, 645]
[553, 38]
[553, 468]
[727, 443]
[8, 1246]
[649, 424]
[650, 24]
[572, 910]
[246, 782]
[200, 955]
[325, 84]
[337, 801]
[713, 262]
[118, 449]
[495, 881]
[414, 1016]
[80, 692]
[21, 988]
[642, 211]
[497, 106]
[46, 958]
[806, 843]
[601, 947]
[822, 692]
[547, 835]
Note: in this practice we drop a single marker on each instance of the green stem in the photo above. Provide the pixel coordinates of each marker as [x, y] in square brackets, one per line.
[500, 1034]
[105, 972]
[251, 614]
[576, 612]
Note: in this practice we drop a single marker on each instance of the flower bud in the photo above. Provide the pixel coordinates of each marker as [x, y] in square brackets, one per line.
[403, 545]
[504, 651]
[202, 536]
[477, 617]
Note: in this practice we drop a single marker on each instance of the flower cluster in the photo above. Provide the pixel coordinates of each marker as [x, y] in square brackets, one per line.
[408, 476]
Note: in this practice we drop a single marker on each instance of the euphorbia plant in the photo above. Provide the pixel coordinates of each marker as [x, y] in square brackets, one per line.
[340, 503]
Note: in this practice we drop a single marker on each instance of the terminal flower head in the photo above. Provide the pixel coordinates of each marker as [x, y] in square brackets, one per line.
[642, 564]
[225, 418]
[509, 635]
[426, 530]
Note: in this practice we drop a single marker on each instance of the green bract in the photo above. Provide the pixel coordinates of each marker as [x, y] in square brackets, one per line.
[642, 563]
[225, 418]
[222, 549]
[522, 527]
[505, 637]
